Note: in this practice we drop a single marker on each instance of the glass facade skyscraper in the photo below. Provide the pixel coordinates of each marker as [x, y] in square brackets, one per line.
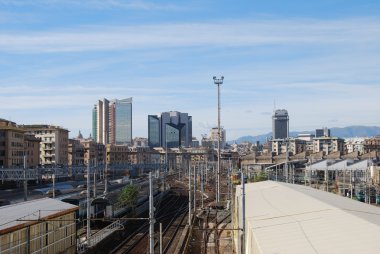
[122, 121]
[153, 131]
[172, 128]
[112, 121]
[173, 137]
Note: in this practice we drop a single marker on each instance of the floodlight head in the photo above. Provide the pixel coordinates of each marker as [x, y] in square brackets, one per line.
[222, 77]
[214, 77]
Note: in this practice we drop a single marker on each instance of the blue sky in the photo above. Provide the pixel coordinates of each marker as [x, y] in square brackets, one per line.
[317, 59]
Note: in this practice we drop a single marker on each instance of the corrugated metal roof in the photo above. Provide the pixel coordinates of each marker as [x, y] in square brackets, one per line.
[285, 218]
[17, 215]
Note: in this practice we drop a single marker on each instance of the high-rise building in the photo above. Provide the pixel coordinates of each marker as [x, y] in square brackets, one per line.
[121, 121]
[325, 132]
[280, 124]
[214, 135]
[153, 131]
[172, 129]
[100, 121]
[112, 121]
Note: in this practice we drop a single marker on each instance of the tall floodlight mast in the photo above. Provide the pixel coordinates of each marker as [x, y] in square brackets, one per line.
[218, 81]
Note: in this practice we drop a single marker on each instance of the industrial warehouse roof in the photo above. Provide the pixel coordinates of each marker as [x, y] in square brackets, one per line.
[284, 218]
[13, 217]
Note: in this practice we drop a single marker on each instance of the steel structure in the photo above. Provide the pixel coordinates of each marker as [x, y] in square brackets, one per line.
[19, 174]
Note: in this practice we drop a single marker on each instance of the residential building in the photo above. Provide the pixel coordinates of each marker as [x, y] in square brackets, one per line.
[11, 144]
[354, 145]
[124, 154]
[293, 145]
[54, 143]
[76, 153]
[280, 124]
[94, 153]
[140, 142]
[174, 129]
[214, 135]
[372, 144]
[32, 150]
[328, 145]
[112, 121]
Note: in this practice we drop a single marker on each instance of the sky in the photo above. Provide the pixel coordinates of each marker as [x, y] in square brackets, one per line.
[319, 59]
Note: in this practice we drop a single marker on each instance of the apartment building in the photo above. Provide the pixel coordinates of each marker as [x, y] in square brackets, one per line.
[54, 143]
[11, 144]
[328, 145]
[372, 144]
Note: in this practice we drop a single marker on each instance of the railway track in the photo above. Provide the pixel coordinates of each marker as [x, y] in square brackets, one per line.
[173, 227]
[167, 213]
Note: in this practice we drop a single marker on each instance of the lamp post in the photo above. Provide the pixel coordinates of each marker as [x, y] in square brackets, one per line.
[218, 82]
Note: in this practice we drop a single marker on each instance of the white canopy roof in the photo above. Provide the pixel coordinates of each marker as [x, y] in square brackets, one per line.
[285, 218]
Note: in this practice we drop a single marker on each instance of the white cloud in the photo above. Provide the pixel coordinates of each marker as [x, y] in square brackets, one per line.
[95, 4]
[340, 83]
[224, 34]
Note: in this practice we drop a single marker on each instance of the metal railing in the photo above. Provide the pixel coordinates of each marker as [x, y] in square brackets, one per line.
[99, 236]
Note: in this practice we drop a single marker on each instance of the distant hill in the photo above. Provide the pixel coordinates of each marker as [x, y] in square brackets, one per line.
[346, 132]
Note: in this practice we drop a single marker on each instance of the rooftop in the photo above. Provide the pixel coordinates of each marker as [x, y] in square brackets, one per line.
[13, 217]
[285, 218]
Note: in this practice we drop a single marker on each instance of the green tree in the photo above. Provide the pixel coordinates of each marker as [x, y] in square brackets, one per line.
[128, 196]
[261, 177]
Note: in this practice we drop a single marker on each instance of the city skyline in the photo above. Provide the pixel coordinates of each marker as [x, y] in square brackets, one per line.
[317, 60]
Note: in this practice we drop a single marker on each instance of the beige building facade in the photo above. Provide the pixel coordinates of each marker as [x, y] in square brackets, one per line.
[32, 150]
[11, 145]
[54, 143]
[328, 145]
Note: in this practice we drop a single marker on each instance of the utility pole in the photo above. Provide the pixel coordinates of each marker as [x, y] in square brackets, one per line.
[293, 173]
[218, 82]
[243, 211]
[206, 171]
[94, 183]
[160, 238]
[229, 181]
[88, 205]
[202, 190]
[287, 161]
[151, 215]
[195, 188]
[53, 176]
[166, 161]
[189, 194]
[106, 179]
[179, 173]
[276, 173]
[25, 181]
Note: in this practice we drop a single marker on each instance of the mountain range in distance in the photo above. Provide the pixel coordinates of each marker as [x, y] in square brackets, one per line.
[345, 132]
